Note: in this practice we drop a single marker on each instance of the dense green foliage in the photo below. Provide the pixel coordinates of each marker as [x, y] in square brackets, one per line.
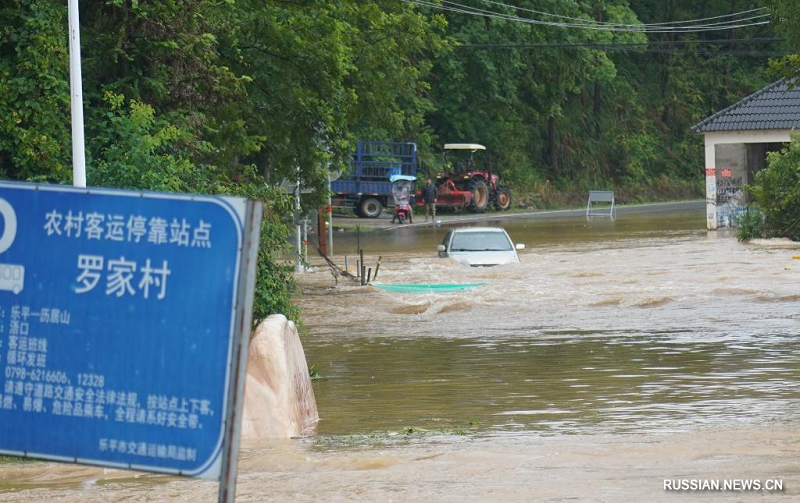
[787, 18]
[776, 192]
[582, 118]
[226, 96]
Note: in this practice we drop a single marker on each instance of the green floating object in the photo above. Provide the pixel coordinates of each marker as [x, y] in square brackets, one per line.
[427, 287]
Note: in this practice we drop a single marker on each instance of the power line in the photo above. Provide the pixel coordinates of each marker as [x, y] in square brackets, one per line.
[632, 45]
[613, 48]
[465, 9]
[631, 28]
[607, 23]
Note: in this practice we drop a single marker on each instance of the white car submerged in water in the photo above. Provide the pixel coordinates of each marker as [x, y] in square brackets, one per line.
[480, 246]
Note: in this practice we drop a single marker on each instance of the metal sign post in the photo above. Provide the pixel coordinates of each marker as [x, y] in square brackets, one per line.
[124, 320]
[76, 97]
[247, 283]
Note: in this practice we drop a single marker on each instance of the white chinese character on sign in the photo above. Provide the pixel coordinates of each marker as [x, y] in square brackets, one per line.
[119, 281]
[93, 227]
[52, 223]
[114, 226]
[158, 231]
[137, 228]
[202, 235]
[155, 277]
[90, 266]
[44, 315]
[73, 224]
[179, 232]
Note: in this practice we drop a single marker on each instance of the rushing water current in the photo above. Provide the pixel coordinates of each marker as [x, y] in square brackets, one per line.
[646, 324]
[615, 355]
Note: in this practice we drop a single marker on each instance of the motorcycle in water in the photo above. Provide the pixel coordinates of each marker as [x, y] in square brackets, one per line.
[403, 190]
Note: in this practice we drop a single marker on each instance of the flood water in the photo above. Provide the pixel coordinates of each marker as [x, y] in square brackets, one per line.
[614, 356]
[647, 324]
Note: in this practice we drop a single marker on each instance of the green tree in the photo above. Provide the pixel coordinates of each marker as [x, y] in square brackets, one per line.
[776, 192]
[34, 91]
[140, 150]
[786, 14]
[323, 74]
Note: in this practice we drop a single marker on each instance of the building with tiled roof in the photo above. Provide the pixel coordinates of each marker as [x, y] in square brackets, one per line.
[737, 140]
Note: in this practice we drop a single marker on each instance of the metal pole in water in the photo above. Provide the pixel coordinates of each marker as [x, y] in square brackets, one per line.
[305, 242]
[358, 247]
[76, 97]
[330, 221]
[363, 267]
[299, 266]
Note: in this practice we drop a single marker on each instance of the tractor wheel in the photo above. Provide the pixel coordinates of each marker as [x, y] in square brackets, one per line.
[480, 196]
[370, 208]
[502, 200]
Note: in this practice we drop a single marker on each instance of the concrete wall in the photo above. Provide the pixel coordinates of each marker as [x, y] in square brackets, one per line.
[731, 159]
[731, 177]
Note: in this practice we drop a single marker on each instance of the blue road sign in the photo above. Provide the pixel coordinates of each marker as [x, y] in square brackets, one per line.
[117, 326]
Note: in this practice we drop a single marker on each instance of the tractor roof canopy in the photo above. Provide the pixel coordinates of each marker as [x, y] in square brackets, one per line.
[463, 146]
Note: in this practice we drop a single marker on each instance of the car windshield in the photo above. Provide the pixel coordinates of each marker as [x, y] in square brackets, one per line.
[480, 241]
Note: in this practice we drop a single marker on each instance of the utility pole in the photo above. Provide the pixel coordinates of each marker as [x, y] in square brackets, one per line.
[76, 97]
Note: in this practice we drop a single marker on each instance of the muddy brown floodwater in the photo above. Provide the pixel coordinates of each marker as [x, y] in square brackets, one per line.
[614, 356]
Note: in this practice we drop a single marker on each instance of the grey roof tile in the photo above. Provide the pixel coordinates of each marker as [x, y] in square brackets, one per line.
[774, 107]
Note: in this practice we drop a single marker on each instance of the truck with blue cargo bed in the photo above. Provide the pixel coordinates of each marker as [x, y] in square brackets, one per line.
[366, 187]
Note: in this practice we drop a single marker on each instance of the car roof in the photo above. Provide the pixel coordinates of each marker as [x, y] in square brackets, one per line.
[480, 229]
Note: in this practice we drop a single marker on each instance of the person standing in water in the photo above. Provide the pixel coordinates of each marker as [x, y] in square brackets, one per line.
[429, 197]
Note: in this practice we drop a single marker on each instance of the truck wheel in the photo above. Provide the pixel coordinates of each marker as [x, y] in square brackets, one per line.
[480, 196]
[502, 200]
[370, 208]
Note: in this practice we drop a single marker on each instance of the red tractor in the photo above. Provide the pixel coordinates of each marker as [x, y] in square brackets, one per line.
[464, 184]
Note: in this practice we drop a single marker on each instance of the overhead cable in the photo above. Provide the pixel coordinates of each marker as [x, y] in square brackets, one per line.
[608, 23]
[474, 11]
[729, 41]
